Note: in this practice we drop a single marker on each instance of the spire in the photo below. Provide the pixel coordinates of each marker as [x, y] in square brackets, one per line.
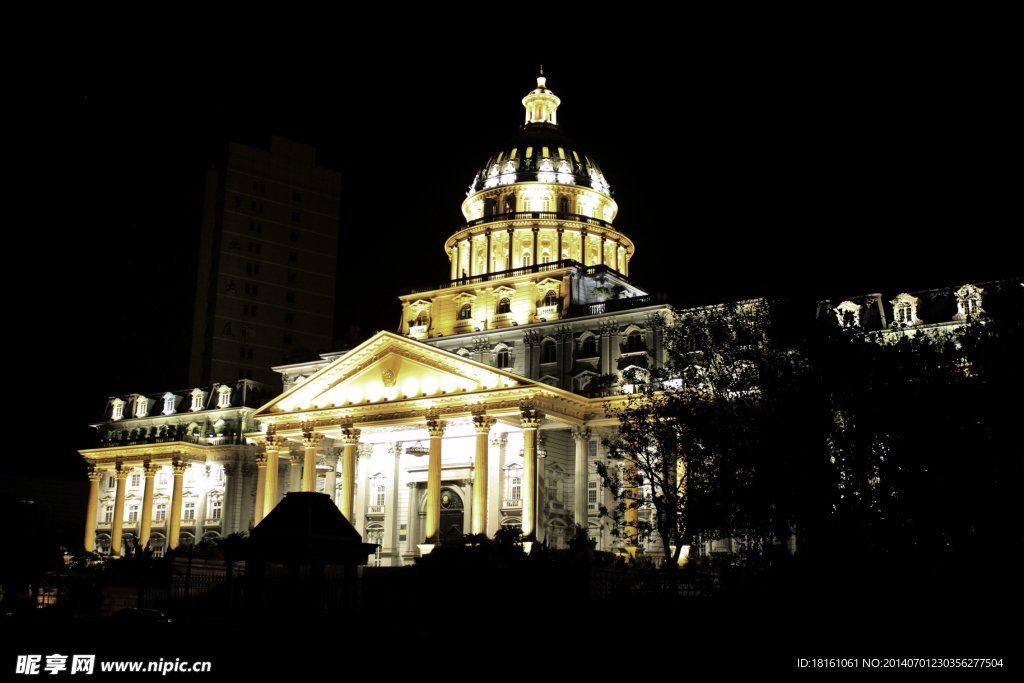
[541, 104]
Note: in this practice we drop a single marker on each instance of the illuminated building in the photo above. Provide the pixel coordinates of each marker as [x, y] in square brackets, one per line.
[485, 408]
[267, 263]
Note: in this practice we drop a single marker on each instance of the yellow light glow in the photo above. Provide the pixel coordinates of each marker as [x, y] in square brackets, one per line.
[429, 386]
[373, 392]
[448, 385]
[391, 393]
[355, 394]
[411, 387]
[468, 385]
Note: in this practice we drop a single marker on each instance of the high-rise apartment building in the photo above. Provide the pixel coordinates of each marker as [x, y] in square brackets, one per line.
[268, 255]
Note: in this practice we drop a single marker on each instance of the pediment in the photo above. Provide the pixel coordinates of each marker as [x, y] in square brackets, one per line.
[390, 368]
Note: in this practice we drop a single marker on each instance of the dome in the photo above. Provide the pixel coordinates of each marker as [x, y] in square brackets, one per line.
[540, 153]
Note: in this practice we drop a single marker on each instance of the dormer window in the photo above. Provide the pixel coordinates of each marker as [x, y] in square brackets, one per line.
[118, 409]
[224, 397]
[141, 406]
[968, 302]
[504, 359]
[904, 309]
[551, 299]
[848, 314]
[588, 348]
[168, 404]
[547, 352]
[505, 305]
[634, 342]
[466, 312]
[197, 400]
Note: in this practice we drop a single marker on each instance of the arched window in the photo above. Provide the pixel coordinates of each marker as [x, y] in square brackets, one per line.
[527, 261]
[635, 342]
[422, 318]
[466, 312]
[505, 305]
[547, 352]
[551, 299]
[545, 257]
[563, 204]
[504, 359]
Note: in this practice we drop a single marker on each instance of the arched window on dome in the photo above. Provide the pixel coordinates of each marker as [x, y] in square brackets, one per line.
[563, 204]
[504, 306]
[510, 205]
[466, 312]
[527, 260]
[545, 204]
[545, 257]
[526, 204]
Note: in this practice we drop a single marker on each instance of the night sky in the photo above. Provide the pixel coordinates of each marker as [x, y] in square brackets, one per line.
[832, 177]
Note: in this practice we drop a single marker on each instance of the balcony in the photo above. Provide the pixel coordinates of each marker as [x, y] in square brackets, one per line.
[376, 510]
[540, 215]
[516, 272]
[512, 504]
[547, 312]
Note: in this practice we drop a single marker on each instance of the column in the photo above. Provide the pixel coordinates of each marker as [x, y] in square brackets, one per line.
[391, 506]
[602, 250]
[350, 436]
[310, 441]
[467, 508]
[261, 486]
[295, 476]
[618, 246]
[231, 486]
[530, 421]
[115, 529]
[511, 234]
[413, 512]
[629, 492]
[331, 480]
[91, 511]
[560, 231]
[436, 430]
[455, 261]
[148, 473]
[582, 437]
[174, 525]
[458, 259]
[472, 255]
[364, 452]
[496, 491]
[583, 247]
[535, 256]
[482, 424]
[274, 444]
[488, 255]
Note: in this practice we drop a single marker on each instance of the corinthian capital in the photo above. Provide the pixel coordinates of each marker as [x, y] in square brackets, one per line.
[580, 433]
[350, 435]
[530, 419]
[312, 439]
[436, 428]
[483, 423]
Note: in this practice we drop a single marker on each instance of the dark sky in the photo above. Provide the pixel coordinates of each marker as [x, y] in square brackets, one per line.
[868, 171]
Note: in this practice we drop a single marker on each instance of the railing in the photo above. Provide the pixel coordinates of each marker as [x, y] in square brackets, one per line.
[511, 503]
[376, 510]
[539, 215]
[515, 272]
[614, 305]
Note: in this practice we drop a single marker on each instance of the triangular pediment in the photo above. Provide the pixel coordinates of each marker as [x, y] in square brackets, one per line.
[391, 368]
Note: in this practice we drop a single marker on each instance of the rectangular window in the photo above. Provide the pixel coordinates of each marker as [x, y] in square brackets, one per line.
[592, 449]
[291, 277]
[259, 227]
[108, 514]
[255, 186]
[261, 208]
[292, 256]
[290, 298]
[248, 374]
[133, 513]
[250, 246]
[250, 353]
[161, 479]
[255, 289]
[245, 309]
[245, 331]
[248, 267]
[136, 479]
[256, 269]
[252, 226]
[287, 339]
[241, 352]
[217, 474]
[248, 289]
[289, 318]
[252, 206]
[110, 482]
[257, 248]
[215, 512]
[161, 512]
[190, 511]
[263, 188]
[295, 216]
[254, 310]
[296, 196]
[295, 237]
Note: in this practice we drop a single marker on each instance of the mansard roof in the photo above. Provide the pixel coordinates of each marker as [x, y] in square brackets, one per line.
[244, 394]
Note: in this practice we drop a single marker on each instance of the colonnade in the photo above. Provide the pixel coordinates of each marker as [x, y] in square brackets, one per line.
[465, 253]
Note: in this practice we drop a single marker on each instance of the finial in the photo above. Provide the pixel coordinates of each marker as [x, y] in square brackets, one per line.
[541, 69]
